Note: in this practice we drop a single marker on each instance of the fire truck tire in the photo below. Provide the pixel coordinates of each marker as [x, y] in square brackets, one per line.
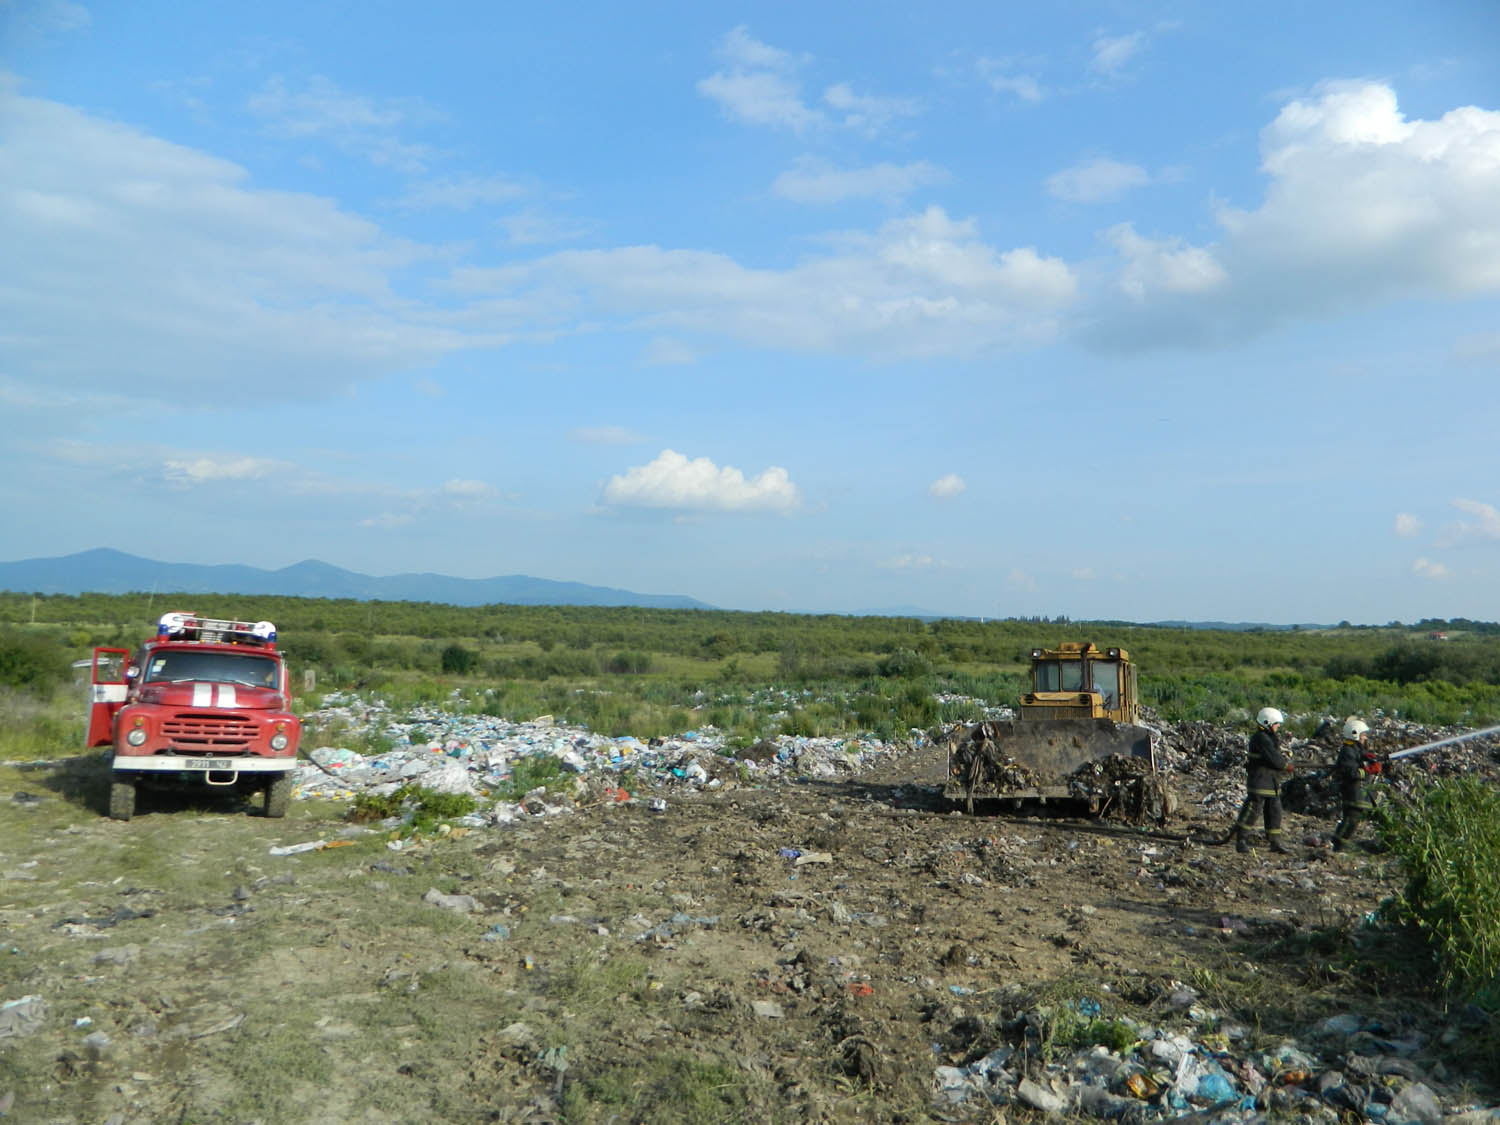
[278, 794]
[122, 798]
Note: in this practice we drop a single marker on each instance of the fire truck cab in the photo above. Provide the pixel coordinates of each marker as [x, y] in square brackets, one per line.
[205, 700]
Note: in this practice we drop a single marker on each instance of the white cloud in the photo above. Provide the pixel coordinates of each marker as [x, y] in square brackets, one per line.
[461, 193]
[45, 18]
[1362, 205]
[359, 125]
[908, 562]
[191, 280]
[666, 352]
[674, 482]
[1083, 573]
[759, 86]
[388, 520]
[816, 181]
[1407, 525]
[464, 491]
[866, 113]
[1019, 579]
[922, 285]
[605, 435]
[1484, 528]
[1096, 180]
[1006, 76]
[946, 487]
[532, 227]
[197, 282]
[1425, 568]
[1163, 266]
[207, 470]
[1111, 53]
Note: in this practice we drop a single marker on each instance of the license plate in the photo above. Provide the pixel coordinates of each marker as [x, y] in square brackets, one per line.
[208, 764]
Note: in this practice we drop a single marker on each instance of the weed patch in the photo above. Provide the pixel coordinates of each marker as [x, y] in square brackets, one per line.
[427, 808]
[1447, 842]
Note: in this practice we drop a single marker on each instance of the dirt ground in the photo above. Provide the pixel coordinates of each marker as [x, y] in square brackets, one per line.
[625, 964]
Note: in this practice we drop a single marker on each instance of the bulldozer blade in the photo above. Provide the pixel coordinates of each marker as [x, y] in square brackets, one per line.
[1039, 757]
[1056, 747]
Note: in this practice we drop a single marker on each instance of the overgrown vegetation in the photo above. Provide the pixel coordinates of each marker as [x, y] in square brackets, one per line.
[425, 809]
[647, 672]
[1448, 844]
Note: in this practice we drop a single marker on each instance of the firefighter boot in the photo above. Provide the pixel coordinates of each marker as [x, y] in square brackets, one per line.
[1275, 845]
[1241, 844]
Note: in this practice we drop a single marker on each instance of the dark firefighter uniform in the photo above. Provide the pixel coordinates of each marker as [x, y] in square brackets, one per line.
[1354, 765]
[1265, 765]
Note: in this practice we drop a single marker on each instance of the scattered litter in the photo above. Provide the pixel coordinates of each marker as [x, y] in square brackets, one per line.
[813, 857]
[459, 904]
[298, 849]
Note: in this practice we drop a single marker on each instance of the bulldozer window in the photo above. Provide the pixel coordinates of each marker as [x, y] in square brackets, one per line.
[1072, 676]
[1045, 676]
[1107, 684]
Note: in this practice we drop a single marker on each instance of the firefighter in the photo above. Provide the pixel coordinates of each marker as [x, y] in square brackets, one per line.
[1265, 763]
[1355, 764]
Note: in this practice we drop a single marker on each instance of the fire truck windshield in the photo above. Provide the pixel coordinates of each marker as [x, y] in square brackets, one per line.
[178, 665]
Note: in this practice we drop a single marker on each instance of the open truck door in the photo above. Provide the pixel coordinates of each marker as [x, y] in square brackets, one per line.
[107, 688]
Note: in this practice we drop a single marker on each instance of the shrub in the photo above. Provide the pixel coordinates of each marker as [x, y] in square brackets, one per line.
[428, 808]
[32, 662]
[629, 663]
[906, 665]
[1448, 844]
[529, 773]
[459, 661]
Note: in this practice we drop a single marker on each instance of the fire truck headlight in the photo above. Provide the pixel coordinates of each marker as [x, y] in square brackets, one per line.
[279, 740]
[137, 736]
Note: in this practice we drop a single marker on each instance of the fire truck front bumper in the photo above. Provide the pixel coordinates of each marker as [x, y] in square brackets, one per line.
[196, 763]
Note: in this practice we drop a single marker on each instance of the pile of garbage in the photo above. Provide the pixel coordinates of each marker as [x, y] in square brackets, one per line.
[1347, 1067]
[482, 756]
[1211, 759]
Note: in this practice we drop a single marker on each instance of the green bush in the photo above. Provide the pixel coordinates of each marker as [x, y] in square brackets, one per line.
[529, 773]
[32, 661]
[1448, 843]
[906, 665]
[459, 661]
[629, 663]
[428, 808]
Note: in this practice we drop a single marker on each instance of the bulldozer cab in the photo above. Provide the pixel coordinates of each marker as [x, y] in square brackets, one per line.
[1077, 680]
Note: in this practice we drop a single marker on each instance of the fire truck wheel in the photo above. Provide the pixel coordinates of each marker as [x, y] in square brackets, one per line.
[122, 798]
[278, 793]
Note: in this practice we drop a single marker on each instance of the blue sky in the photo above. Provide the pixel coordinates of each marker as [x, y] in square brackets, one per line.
[1113, 310]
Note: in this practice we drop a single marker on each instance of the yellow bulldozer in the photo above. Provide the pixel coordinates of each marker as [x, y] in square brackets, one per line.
[1076, 741]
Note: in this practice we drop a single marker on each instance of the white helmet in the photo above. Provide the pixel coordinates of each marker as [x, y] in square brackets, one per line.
[1268, 717]
[1353, 728]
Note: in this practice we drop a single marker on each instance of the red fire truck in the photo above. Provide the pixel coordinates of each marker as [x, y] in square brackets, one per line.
[205, 700]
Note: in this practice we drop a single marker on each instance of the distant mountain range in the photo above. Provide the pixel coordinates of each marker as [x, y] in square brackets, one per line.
[104, 571]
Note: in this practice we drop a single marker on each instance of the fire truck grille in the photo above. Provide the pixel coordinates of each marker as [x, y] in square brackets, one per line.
[224, 735]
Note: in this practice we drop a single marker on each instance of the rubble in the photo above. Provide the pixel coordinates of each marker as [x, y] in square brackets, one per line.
[1188, 1060]
[479, 755]
[1364, 1071]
